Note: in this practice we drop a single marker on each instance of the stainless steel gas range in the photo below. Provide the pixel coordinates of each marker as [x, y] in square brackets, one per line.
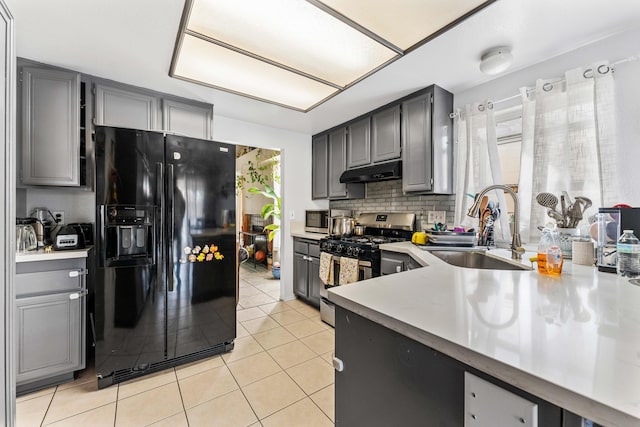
[380, 228]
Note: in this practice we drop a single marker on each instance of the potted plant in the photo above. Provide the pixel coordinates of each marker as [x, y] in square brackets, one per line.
[269, 210]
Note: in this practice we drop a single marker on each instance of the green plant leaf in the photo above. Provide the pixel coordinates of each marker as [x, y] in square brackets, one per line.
[267, 211]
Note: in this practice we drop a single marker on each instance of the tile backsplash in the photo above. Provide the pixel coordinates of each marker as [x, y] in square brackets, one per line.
[387, 196]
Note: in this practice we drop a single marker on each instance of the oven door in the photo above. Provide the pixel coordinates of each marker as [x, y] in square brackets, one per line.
[327, 309]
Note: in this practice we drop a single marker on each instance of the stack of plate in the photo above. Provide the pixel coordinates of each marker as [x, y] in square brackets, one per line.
[450, 238]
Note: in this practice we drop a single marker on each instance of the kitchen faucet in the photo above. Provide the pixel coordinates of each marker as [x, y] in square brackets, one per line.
[516, 246]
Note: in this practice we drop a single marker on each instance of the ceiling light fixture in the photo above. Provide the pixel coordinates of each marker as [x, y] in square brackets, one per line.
[496, 60]
[297, 53]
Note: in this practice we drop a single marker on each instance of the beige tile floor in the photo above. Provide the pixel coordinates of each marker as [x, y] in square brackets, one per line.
[279, 374]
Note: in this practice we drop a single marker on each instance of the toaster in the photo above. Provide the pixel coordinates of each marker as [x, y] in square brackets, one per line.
[85, 233]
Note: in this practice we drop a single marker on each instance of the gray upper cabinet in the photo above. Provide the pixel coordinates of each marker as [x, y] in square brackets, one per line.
[187, 119]
[359, 143]
[337, 155]
[50, 127]
[427, 142]
[337, 162]
[329, 161]
[319, 167]
[120, 107]
[385, 134]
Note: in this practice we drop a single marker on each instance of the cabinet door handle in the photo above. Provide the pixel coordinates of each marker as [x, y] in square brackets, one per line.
[338, 364]
[77, 295]
[76, 273]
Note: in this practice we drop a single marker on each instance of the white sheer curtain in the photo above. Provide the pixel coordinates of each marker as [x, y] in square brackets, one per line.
[478, 164]
[568, 143]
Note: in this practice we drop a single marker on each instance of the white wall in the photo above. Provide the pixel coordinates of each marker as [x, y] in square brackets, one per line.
[627, 78]
[78, 205]
[295, 158]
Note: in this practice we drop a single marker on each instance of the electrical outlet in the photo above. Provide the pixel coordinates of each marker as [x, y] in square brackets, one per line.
[434, 217]
[59, 216]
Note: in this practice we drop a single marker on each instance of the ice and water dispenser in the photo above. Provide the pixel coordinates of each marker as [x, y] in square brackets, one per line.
[127, 234]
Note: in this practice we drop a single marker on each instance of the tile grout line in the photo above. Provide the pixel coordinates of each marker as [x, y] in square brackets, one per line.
[184, 408]
[44, 416]
[322, 410]
[115, 414]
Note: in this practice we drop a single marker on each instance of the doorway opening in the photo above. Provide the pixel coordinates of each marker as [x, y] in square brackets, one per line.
[258, 192]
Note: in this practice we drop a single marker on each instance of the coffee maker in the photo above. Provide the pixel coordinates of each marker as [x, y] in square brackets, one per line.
[611, 223]
[44, 225]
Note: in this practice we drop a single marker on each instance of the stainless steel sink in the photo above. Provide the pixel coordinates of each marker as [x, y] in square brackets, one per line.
[469, 259]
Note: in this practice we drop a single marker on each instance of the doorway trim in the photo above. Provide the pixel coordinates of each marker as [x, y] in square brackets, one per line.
[8, 216]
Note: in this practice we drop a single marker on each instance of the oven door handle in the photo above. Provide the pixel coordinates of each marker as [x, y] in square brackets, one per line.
[361, 263]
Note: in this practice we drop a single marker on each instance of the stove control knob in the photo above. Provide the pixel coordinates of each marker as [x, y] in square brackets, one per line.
[357, 251]
[350, 250]
[339, 248]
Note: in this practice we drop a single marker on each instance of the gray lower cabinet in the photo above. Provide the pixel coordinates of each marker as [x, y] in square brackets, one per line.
[394, 262]
[337, 155]
[123, 107]
[187, 119]
[50, 328]
[427, 142]
[306, 270]
[319, 167]
[385, 135]
[401, 382]
[359, 143]
[50, 126]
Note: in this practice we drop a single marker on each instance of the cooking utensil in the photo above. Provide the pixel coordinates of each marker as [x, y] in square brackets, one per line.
[577, 209]
[552, 213]
[342, 226]
[547, 200]
[359, 230]
[484, 202]
[484, 216]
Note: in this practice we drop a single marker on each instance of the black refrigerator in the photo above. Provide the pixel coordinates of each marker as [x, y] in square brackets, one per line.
[165, 291]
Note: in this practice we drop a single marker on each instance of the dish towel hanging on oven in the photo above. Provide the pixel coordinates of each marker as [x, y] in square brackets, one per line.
[348, 270]
[326, 268]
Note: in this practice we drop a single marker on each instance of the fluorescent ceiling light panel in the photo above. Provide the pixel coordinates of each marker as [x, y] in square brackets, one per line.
[217, 66]
[293, 33]
[404, 23]
[298, 53]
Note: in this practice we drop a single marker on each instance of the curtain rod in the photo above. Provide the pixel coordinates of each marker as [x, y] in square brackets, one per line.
[588, 73]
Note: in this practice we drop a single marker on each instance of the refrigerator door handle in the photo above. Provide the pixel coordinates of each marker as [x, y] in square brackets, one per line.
[101, 235]
[171, 223]
[158, 232]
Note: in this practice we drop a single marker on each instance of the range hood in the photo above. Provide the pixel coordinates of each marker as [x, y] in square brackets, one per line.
[379, 172]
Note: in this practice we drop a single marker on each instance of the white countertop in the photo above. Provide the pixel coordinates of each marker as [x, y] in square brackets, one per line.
[573, 340]
[306, 235]
[41, 255]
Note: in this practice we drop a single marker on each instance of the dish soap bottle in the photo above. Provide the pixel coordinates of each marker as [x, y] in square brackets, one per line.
[628, 249]
[549, 253]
